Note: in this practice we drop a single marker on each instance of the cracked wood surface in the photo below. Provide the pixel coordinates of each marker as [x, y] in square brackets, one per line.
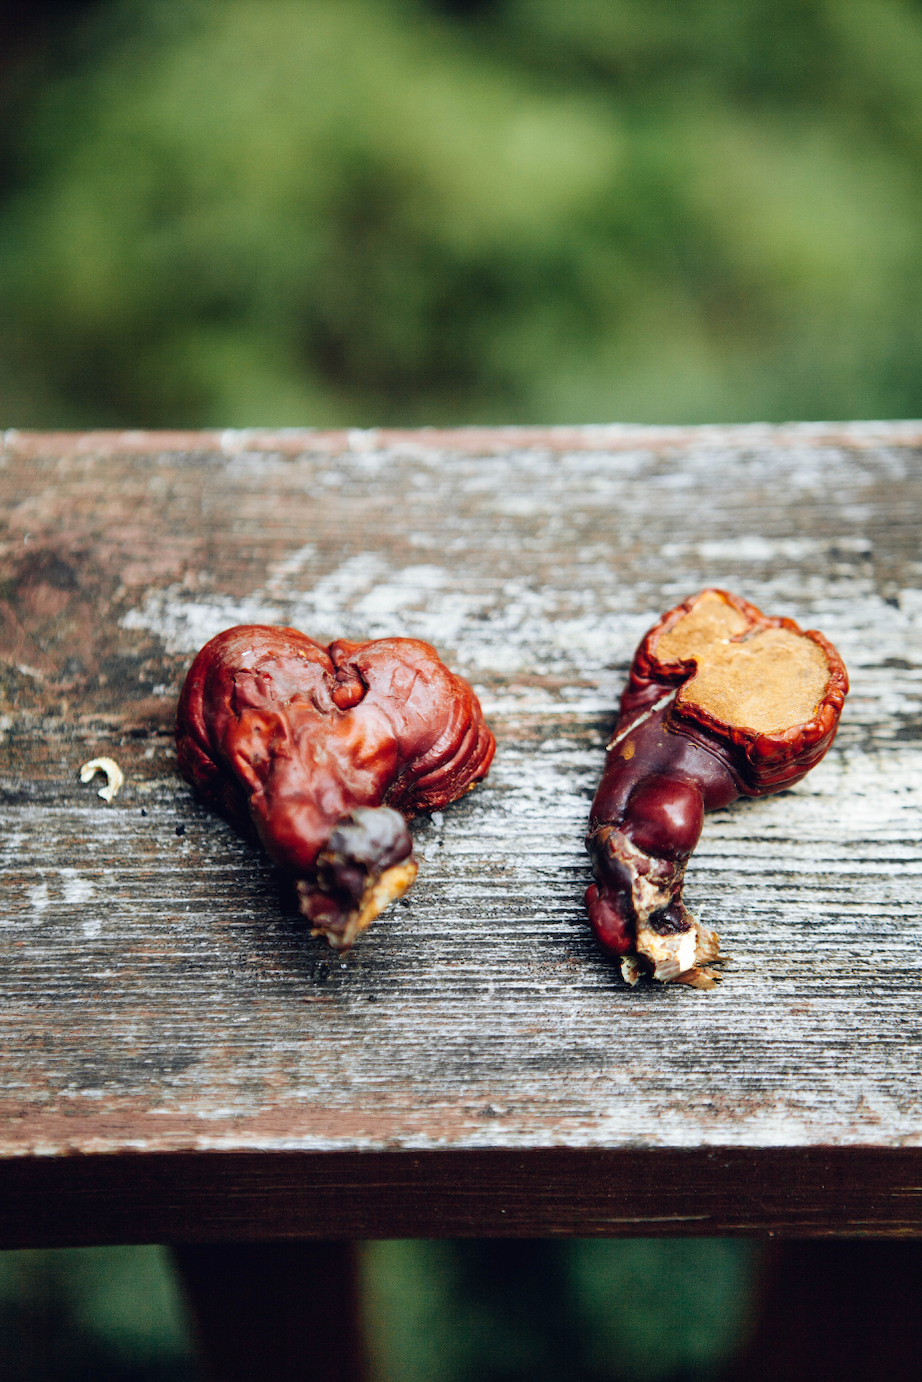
[475, 1065]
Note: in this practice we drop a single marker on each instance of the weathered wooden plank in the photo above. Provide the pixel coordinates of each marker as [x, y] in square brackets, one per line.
[160, 995]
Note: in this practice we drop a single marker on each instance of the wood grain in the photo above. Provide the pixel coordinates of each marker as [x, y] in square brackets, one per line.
[164, 1014]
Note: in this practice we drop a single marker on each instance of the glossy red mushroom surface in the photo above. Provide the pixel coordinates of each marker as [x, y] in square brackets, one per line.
[327, 752]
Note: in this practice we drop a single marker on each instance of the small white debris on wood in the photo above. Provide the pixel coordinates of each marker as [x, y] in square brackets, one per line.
[114, 776]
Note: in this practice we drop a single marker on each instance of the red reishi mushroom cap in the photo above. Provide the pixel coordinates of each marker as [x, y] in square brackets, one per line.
[795, 685]
[277, 731]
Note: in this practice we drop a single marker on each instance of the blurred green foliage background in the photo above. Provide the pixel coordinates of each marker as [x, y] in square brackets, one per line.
[232, 212]
[642, 1310]
[586, 1310]
[92, 1315]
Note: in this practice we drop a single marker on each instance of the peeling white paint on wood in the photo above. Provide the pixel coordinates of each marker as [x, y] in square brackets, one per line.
[157, 993]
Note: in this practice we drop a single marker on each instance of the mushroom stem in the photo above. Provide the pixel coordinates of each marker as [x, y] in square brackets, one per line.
[722, 701]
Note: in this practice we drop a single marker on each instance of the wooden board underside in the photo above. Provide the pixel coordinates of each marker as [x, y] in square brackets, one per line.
[196, 1197]
[158, 992]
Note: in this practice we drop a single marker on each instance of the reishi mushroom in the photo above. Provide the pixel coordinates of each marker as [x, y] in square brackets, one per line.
[721, 702]
[327, 752]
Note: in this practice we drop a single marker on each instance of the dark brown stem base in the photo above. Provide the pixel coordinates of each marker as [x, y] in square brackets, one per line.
[366, 865]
